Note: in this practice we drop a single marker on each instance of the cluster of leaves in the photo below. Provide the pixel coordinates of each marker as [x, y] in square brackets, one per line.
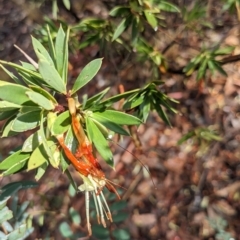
[205, 60]
[203, 137]
[231, 5]
[138, 15]
[35, 108]
[15, 223]
[195, 18]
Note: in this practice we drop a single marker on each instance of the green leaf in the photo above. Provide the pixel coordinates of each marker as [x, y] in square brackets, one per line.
[87, 74]
[168, 7]
[100, 232]
[96, 98]
[135, 29]
[110, 125]
[26, 121]
[50, 146]
[186, 137]
[65, 230]
[118, 97]
[76, 219]
[32, 142]
[122, 234]
[3, 202]
[13, 93]
[33, 108]
[151, 19]
[219, 68]
[202, 69]
[20, 232]
[102, 128]
[40, 100]
[99, 141]
[223, 51]
[119, 11]
[53, 152]
[5, 214]
[60, 50]
[13, 187]
[38, 157]
[41, 170]
[120, 217]
[65, 57]
[51, 46]
[39, 48]
[11, 75]
[43, 92]
[7, 128]
[5, 115]
[136, 101]
[61, 124]
[124, 24]
[118, 117]
[51, 76]
[119, 205]
[14, 162]
[21, 69]
[27, 65]
[162, 114]
[29, 79]
[8, 106]
[54, 9]
[67, 4]
[89, 40]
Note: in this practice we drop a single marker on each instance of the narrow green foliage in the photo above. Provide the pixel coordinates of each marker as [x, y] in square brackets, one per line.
[87, 74]
[206, 60]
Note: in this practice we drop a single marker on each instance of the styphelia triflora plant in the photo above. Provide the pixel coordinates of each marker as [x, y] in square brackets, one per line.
[66, 135]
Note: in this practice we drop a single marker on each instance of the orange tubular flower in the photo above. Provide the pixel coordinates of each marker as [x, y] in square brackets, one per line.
[87, 165]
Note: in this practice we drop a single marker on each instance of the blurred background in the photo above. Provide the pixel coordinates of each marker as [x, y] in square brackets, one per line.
[193, 189]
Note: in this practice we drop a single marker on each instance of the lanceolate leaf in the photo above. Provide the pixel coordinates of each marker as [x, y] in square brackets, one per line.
[26, 121]
[113, 99]
[124, 24]
[60, 50]
[49, 146]
[70, 140]
[110, 125]
[40, 100]
[119, 11]
[11, 188]
[41, 170]
[32, 142]
[8, 106]
[87, 74]
[37, 158]
[10, 74]
[14, 163]
[65, 55]
[7, 128]
[43, 92]
[96, 98]
[8, 114]
[39, 48]
[51, 76]
[151, 19]
[51, 46]
[62, 123]
[99, 141]
[118, 117]
[13, 93]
